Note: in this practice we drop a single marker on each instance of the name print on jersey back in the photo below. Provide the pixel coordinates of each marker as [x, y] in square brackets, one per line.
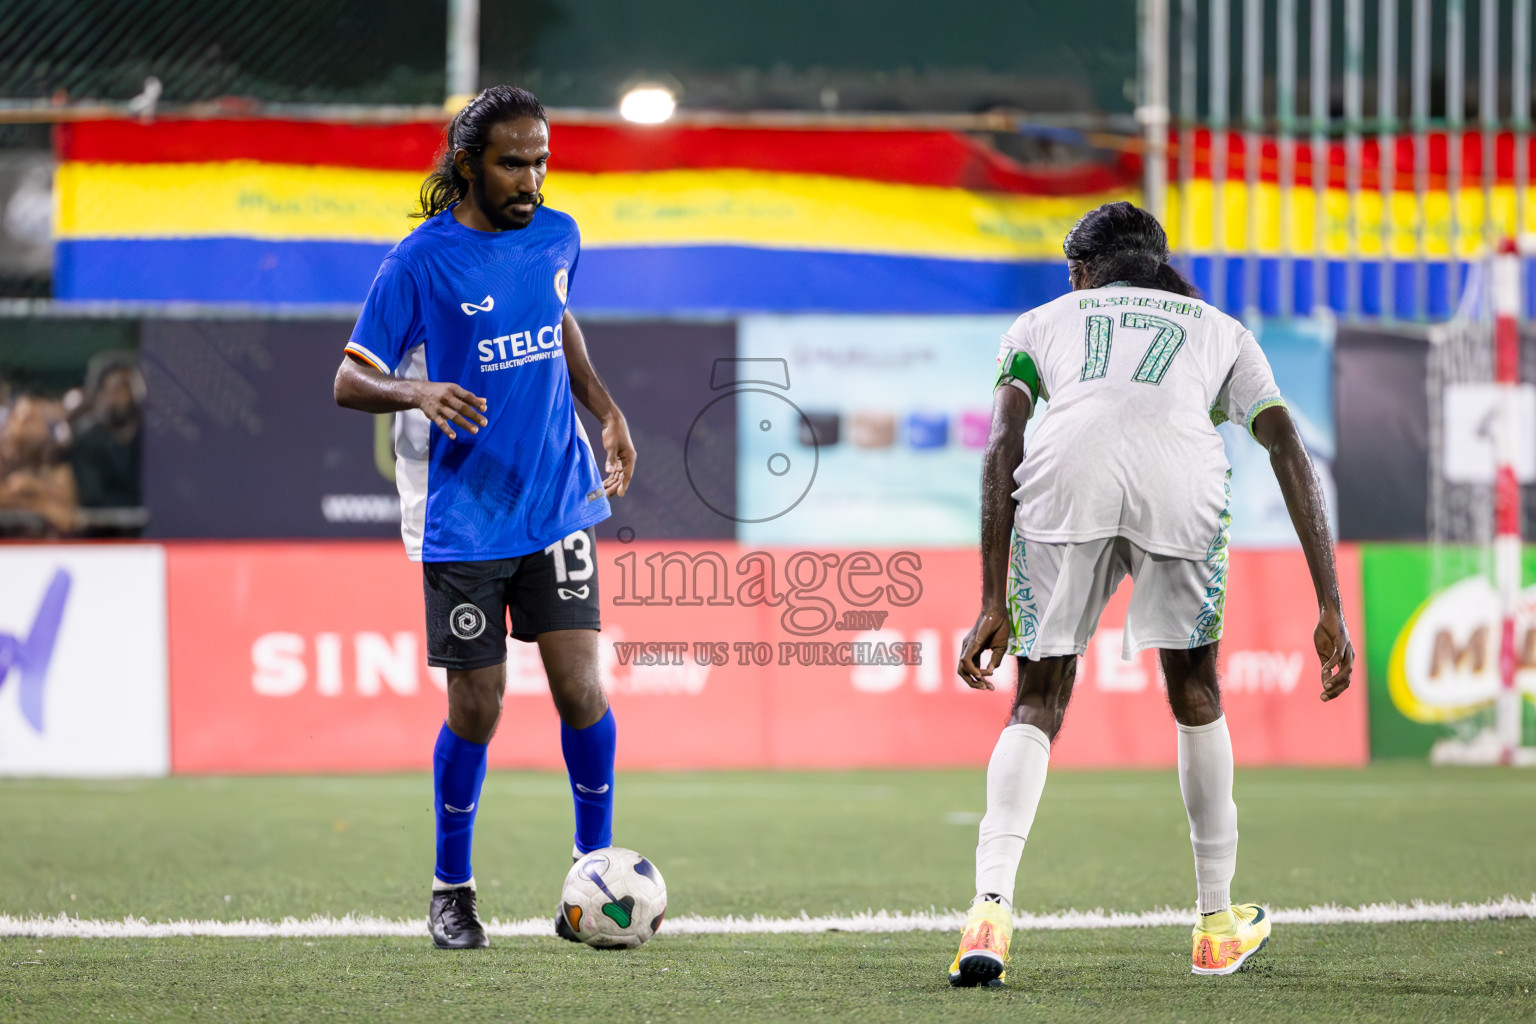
[1184, 306]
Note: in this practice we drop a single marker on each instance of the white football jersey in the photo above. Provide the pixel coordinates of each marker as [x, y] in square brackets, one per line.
[1136, 380]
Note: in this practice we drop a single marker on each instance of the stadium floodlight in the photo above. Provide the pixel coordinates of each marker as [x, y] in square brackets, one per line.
[648, 104]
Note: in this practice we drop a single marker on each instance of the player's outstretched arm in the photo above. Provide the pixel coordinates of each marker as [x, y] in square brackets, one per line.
[364, 388]
[1005, 450]
[590, 390]
[1276, 431]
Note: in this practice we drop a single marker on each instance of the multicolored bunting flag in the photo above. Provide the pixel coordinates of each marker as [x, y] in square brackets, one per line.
[1279, 226]
[673, 219]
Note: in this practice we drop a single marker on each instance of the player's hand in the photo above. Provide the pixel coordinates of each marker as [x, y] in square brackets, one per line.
[1335, 651]
[446, 404]
[621, 456]
[990, 633]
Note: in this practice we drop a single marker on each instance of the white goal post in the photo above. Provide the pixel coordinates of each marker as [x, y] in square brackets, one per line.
[1483, 448]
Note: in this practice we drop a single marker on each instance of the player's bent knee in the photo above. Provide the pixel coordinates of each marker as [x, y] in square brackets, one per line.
[579, 701]
[570, 662]
[1196, 703]
[1194, 694]
[474, 702]
[1044, 691]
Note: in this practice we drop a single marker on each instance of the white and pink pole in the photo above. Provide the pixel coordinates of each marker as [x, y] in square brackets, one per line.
[1506, 544]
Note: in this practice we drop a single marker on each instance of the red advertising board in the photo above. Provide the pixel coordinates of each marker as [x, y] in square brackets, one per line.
[311, 657]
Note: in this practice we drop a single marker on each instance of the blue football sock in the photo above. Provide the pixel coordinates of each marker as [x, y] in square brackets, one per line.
[458, 769]
[589, 760]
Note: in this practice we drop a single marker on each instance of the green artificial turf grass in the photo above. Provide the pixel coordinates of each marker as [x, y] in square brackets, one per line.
[775, 844]
[746, 843]
[1418, 972]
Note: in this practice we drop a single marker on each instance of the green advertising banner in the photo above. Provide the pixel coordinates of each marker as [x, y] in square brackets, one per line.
[1432, 642]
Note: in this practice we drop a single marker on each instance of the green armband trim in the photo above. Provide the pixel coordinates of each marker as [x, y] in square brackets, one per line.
[1218, 416]
[1268, 403]
[1018, 367]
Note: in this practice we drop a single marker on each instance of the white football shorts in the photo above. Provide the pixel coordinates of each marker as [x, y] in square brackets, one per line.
[1056, 593]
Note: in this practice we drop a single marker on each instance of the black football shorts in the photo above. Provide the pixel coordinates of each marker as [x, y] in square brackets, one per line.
[468, 603]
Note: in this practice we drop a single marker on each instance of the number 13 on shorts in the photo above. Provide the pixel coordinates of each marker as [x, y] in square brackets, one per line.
[579, 546]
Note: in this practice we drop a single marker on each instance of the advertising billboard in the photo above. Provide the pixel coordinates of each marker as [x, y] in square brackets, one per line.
[893, 414]
[782, 429]
[1433, 637]
[82, 661]
[1300, 351]
[244, 438]
[899, 410]
[290, 657]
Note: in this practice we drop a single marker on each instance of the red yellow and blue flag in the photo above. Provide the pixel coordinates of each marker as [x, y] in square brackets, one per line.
[673, 218]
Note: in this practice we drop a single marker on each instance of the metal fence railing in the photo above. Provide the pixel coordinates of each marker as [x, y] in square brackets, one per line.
[1368, 201]
[275, 50]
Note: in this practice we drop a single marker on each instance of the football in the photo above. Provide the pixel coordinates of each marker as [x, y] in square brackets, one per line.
[614, 899]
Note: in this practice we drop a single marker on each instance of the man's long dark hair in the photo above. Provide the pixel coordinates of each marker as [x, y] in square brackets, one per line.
[469, 130]
[1121, 242]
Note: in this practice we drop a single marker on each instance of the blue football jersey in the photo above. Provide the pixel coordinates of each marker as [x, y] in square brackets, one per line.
[484, 310]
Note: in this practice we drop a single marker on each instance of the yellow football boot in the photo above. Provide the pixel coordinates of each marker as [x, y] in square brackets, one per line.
[1224, 942]
[983, 946]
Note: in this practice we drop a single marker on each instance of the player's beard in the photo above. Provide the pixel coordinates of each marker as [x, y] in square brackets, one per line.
[503, 217]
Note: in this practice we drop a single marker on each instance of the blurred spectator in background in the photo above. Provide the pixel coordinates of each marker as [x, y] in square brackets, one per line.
[71, 467]
[37, 485]
[106, 450]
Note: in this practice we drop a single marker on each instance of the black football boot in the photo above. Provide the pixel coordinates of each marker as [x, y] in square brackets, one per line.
[563, 925]
[453, 920]
[562, 916]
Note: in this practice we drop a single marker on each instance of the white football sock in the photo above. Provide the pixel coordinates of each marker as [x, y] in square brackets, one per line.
[438, 885]
[1205, 778]
[1015, 780]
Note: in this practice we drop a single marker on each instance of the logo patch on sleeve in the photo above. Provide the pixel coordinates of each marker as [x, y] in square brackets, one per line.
[562, 282]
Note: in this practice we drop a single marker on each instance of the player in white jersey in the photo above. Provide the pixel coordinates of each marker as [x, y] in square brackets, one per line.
[1126, 476]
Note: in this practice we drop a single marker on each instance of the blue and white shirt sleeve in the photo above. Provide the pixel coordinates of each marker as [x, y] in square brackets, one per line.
[1249, 389]
[391, 322]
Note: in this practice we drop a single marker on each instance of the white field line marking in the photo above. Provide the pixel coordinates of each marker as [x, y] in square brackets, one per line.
[64, 927]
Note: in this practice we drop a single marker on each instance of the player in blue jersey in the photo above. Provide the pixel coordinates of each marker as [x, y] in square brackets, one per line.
[466, 337]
